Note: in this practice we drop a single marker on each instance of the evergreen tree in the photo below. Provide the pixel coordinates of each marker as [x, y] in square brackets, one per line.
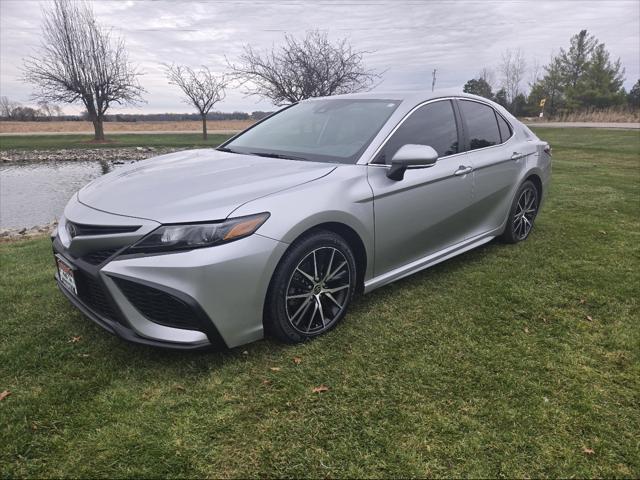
[501, 98]
[478, 86]
[582, 77]
[601, 83]
[519, 105]
[550, 87]
[633, 98]
[574, 63]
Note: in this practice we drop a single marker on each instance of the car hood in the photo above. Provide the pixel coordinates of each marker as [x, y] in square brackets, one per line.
[195, 185]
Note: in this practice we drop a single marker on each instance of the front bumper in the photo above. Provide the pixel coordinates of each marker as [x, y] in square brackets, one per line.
[186, 300]
[120, 330]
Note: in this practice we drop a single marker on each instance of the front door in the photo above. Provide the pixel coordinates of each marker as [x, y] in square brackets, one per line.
[426, 211]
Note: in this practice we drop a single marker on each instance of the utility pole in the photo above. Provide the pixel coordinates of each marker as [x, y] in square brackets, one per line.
[433, 82]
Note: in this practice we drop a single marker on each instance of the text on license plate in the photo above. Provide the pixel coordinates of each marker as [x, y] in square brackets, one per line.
[65, 273]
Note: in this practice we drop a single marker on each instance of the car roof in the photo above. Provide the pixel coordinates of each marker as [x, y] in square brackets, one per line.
[411, 96]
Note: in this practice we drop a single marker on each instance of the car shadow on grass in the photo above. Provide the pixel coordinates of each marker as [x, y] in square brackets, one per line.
[210, 358]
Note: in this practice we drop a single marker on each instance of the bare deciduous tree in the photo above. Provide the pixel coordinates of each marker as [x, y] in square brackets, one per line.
[536, 72]
[489, 76]
[6, 107]
[49, 110]
[79, 61]
[201, 87]
[513, 68]
[299, 69]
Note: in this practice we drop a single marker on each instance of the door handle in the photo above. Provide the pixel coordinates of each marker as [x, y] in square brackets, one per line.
[517, 156]
[463, 170]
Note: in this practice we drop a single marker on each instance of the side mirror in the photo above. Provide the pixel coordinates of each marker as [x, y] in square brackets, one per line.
[411, 156]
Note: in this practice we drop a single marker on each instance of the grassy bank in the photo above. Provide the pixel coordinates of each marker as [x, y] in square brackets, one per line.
[53, 142]
[517, 361]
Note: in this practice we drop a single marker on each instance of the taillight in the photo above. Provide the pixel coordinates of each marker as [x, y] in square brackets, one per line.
[547, 149]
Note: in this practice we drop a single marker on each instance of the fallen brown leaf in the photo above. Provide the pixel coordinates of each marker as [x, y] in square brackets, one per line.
[583, 301]
[275, 369]
[588, 317]
[75, 339]
[180, 388]
[588, 451]
[320, 389]
[4, 394]
[266, 382]
[297, 360]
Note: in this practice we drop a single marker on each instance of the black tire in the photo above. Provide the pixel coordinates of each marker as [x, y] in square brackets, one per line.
[522, 214]
[324, 301]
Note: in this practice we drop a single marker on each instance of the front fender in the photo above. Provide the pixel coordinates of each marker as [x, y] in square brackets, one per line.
[344, 196]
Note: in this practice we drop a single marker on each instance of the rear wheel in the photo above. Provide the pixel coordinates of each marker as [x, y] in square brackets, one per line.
[311, 288]
[522, 214]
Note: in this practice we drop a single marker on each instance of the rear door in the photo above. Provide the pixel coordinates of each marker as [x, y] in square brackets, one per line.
[498, 160]
[426, 211]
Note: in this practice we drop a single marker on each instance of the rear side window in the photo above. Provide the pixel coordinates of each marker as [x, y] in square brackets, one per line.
[505, 130]
[482, 125]
[433, 124]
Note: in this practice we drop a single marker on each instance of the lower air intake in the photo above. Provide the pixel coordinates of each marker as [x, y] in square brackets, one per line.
[158, 306]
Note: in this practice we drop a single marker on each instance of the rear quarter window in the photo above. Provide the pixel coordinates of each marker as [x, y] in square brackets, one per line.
[505, 129]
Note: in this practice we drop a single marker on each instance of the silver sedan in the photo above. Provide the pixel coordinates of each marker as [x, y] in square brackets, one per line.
[278, 228]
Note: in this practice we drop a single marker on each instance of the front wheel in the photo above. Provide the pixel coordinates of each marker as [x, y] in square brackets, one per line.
[311, 288]
[522, 214]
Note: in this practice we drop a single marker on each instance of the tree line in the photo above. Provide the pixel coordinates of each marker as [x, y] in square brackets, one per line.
[582, 77]
[46, 112]
[81, 62]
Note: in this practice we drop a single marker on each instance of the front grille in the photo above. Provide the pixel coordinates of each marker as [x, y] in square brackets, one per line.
[92, 293]
[81, 229]
[99, 256]
[158, 306]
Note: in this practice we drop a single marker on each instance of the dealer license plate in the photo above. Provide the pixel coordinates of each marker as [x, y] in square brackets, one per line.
[65, 273]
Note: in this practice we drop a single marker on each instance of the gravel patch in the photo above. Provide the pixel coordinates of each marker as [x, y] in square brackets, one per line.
[12, 234]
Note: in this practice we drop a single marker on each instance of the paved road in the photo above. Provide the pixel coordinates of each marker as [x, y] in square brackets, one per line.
[623, 126]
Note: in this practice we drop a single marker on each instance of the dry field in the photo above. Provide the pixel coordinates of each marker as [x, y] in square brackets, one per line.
[114, 127]
[607, 115]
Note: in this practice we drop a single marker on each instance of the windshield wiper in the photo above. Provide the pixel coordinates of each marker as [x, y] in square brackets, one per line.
[277, 155]
[226, 149]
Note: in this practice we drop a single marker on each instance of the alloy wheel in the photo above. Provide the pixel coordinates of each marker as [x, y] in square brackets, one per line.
[526, 210]
[318, 291]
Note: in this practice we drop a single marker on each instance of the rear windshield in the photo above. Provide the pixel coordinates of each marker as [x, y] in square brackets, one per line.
[327, 130]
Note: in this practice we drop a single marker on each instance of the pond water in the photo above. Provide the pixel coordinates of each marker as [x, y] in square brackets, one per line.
[36, 193]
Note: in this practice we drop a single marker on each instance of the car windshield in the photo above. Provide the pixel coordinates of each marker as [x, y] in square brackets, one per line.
[327, 130]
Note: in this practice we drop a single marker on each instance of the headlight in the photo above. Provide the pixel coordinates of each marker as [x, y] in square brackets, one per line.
[198, 235]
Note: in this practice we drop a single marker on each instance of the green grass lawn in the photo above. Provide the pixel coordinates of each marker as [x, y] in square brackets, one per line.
[510, 360]
[48, 142]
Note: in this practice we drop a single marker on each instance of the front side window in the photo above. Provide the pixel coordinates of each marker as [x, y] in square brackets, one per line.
[482, 125]
[433, 124]
[327, 130]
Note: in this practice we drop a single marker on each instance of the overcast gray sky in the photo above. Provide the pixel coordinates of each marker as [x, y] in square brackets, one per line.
[408, 39]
